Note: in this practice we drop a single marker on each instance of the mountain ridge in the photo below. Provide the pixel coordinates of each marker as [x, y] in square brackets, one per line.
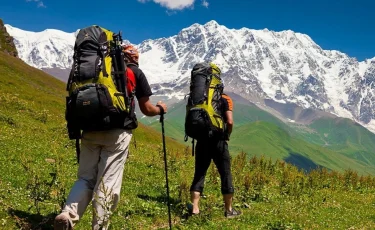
[285, 66]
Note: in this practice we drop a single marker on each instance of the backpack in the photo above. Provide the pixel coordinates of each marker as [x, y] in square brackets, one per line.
[101, 88]
[203, 110]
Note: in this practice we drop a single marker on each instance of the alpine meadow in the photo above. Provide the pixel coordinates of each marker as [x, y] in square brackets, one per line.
[318, 176]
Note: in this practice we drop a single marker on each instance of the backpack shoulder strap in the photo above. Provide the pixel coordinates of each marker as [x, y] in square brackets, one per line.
[70, 79]
[130, 74]
[131, 81]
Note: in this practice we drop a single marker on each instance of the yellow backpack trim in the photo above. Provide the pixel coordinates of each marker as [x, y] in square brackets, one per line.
[216, 118]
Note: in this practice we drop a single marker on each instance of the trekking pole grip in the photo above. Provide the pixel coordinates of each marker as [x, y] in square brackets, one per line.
[161, 112]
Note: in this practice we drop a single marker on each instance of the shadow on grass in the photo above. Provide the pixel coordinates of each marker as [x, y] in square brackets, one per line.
[32, 221]
[160, 199]
[301, 162]
[177, 207]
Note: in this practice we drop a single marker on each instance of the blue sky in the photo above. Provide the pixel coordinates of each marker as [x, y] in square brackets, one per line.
[345, 25]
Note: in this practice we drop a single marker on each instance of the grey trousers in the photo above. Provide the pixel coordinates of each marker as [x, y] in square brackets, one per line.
[100, 172]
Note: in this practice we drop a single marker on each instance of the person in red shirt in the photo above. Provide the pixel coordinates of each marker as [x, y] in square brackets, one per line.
[102, 159]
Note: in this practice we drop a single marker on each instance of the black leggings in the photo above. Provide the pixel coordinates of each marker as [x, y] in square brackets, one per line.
[217, 150]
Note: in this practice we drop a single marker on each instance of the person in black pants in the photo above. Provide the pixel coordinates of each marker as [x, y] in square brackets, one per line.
[216, 149]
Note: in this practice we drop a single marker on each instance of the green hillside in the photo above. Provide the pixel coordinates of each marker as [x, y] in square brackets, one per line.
[344, 136]
[335, 144]
[264, 138]
[244, 114]
[174, 123]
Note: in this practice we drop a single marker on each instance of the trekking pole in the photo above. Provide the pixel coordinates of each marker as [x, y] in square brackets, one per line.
[165, 164]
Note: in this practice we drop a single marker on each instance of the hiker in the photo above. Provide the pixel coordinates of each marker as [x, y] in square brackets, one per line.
[212, 146]
[102, 159]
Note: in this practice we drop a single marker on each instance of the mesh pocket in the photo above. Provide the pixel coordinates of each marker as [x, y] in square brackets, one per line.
[216, 105]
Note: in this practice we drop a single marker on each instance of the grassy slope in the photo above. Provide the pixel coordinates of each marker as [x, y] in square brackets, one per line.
[33, 137]
[264, 138]
[344, 136]
[31, 131]
[301, 146]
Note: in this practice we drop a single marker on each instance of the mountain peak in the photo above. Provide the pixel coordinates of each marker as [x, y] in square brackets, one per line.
[49, 48]
[211, 23]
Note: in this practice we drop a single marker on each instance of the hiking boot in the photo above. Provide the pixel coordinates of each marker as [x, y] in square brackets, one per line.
[62, 222]
[232, 214]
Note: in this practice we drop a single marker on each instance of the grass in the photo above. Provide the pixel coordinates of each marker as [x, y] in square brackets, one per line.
[38, 167]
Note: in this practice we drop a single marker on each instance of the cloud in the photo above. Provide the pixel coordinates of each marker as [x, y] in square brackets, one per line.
[40, 4]
[205, 3]
[176, 4]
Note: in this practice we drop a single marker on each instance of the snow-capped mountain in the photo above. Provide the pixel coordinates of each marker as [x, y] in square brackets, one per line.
[47, 49]
[285, 66]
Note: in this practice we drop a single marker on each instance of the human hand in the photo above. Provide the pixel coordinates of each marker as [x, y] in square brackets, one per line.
[163, 105]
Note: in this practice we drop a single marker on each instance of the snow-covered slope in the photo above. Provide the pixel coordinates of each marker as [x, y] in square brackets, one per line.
[283, 66]
[257, 64]
[47, 49]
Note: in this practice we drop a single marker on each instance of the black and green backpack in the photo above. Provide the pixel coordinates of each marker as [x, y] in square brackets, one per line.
[203, 110]
[98, 97]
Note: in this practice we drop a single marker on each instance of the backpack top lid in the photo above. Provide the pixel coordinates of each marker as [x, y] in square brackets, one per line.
[204, 77]
[94, 34]
[207, 68]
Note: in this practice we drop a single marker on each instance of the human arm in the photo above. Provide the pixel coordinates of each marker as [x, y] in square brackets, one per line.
[143, 93]
[227, 106]
[229, 117]
[148, 109]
